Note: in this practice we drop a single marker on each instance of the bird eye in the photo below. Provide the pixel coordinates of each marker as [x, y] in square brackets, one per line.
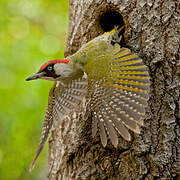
[49, 68]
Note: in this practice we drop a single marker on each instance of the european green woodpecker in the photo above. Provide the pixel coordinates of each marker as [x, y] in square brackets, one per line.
[115, 80]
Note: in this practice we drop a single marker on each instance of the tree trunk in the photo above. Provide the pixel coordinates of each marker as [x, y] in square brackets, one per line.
[151, 32]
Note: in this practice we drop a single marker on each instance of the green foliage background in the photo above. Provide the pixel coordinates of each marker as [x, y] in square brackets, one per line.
[31, 32]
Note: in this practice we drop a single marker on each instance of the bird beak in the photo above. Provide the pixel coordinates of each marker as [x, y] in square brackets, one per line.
[36, 76]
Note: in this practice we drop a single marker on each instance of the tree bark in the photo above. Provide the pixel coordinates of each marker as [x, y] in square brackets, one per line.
[152, 31]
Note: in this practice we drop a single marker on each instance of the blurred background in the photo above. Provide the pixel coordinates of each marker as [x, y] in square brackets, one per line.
[31, 32]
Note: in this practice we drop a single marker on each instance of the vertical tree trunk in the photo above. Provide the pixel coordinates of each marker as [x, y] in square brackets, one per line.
[152, 32]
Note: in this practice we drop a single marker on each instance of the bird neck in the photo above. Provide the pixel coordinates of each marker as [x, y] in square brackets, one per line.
[69, 71]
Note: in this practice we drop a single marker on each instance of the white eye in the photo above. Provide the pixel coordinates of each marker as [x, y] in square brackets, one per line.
[49, 68]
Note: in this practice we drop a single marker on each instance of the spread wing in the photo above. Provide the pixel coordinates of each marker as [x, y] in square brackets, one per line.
[118, 101]
[64, 100]
[47, 124]
[68, 98]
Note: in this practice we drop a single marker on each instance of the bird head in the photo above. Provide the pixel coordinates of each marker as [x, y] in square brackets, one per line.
[53, 70]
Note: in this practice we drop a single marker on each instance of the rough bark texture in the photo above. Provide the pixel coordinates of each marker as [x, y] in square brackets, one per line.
[152, 32]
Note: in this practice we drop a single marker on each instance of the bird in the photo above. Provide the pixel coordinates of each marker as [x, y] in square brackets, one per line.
[115, 81]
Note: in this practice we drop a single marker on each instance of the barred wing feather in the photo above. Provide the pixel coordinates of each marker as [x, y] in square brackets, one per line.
[63, 101]
[69, 98]
[47, 124]
[120, 105]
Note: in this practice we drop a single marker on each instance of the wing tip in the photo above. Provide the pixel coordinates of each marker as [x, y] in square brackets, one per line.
[32, 166]
[115, 144]
[128, 138]
[104, 144]
[137, 130]
[103, 141]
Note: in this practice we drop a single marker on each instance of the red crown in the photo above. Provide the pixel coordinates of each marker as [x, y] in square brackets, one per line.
[66, 61]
